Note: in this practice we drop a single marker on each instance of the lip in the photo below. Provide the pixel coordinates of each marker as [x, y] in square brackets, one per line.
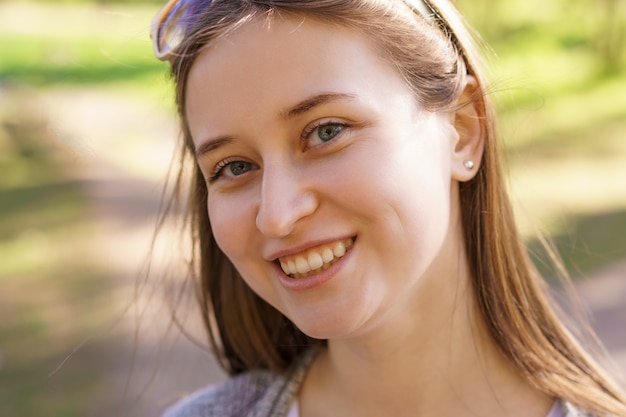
[317, 279]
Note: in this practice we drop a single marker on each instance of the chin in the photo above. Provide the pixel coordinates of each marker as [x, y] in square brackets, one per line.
[329, 327]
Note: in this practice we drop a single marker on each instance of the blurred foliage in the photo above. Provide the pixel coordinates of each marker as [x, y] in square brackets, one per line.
[52, 294]
[587, 243]
[77, 44]
[568, 27]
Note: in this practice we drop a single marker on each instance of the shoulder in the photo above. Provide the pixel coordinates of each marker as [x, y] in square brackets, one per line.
[252, 394]
[231, 398]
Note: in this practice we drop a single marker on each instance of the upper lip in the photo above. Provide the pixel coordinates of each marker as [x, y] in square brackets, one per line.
[303, 247]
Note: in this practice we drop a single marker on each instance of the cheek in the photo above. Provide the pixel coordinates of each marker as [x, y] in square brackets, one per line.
[401, 191]
[232, 223]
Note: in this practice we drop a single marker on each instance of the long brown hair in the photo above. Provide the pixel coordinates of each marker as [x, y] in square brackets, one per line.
[433, 53]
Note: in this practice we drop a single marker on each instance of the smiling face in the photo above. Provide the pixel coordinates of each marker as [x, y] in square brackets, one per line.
[329, 189]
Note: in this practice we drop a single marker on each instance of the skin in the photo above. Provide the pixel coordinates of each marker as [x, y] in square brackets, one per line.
[396, 309]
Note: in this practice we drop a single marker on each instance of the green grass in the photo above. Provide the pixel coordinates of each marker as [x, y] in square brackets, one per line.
[65, 44]
[37, 62]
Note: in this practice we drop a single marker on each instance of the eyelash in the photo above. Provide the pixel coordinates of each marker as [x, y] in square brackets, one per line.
[219, 168]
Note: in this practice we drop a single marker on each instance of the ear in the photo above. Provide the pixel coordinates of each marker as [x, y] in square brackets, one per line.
[467, 150]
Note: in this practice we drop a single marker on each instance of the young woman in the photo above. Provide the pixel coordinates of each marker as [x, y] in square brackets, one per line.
[355, 248]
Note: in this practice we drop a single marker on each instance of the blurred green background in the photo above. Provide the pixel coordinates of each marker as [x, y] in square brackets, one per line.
[86, 131]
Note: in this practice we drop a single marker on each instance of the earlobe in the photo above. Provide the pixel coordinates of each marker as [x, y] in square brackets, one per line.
[468, 121]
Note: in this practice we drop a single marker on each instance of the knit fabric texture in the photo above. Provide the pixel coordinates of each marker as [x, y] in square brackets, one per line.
[252, 394]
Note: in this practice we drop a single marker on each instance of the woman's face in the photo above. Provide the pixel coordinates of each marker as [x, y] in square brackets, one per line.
[329, 189]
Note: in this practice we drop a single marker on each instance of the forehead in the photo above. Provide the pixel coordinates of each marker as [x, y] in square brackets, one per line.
[267, 65]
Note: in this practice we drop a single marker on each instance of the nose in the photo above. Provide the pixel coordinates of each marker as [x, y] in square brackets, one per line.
[286, 198]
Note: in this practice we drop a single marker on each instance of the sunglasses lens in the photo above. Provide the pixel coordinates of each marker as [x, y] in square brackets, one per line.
[175, 22]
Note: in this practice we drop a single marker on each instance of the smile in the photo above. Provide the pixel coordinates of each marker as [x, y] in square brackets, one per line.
[315, 259]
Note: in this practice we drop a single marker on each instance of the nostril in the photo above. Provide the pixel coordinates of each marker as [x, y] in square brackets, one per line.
[277, 217]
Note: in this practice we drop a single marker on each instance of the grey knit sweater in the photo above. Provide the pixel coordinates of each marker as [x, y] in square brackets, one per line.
[265, 394]
[252, 394]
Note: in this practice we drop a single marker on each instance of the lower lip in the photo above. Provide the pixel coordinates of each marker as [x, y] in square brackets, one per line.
[315, 280]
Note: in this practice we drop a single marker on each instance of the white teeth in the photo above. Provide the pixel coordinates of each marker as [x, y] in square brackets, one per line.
[292, 266]
[320, 258]
[315, 260]
[327, 255]
[302, 265]
[339, 250]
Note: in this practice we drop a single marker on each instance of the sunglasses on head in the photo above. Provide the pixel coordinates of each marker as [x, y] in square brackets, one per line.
[170, 25]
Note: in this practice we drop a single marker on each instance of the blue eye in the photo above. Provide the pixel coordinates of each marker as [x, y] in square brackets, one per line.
[323, 132]
[329, 131]
[239, 167]
[231, 168]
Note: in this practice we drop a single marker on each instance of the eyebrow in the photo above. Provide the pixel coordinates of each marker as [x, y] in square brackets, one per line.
[312, 102]
[213, 144]
[294, 111]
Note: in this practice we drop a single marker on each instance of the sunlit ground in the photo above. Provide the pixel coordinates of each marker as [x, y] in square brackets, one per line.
[86, 135]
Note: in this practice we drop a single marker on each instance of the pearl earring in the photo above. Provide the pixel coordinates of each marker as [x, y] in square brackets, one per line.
[469, 164]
